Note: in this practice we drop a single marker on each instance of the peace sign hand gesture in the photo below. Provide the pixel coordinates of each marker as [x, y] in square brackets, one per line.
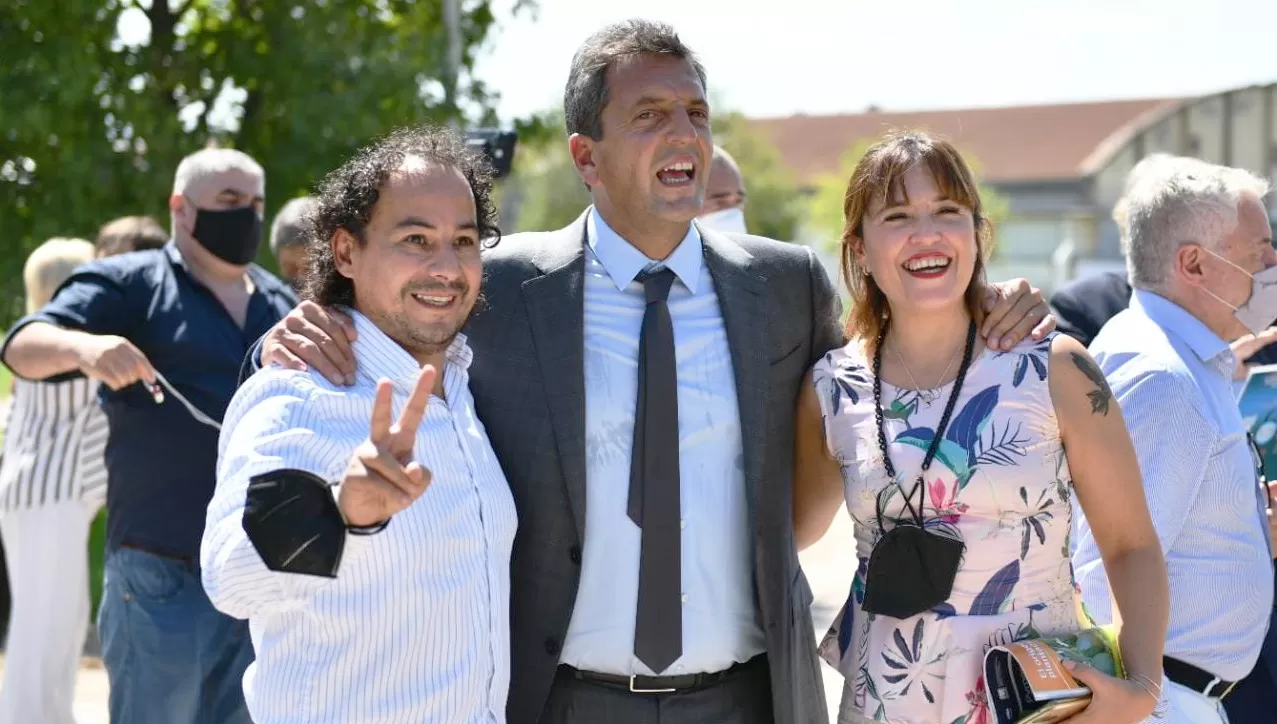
[382, 478]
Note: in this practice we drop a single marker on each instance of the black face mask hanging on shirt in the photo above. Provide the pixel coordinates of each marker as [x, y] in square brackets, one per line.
[911, 568]
[233, 235]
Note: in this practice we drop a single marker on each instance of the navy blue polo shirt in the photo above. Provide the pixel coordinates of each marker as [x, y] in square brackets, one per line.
[162, 462]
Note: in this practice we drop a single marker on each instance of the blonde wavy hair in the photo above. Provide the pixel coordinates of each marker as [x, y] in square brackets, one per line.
[50, 265]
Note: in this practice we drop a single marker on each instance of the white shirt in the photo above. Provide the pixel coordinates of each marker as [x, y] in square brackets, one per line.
[720, 614]
[1171, 375]
[415, 628]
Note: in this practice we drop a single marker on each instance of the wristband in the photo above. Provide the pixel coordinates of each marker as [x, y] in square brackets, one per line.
[373, 529]
[1151, 688]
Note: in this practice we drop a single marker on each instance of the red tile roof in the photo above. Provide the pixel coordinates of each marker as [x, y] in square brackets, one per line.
[1022, 143]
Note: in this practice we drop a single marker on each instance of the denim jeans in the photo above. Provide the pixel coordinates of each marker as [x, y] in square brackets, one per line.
[170, 657]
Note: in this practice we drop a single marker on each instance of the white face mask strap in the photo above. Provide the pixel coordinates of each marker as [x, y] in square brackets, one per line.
[1228, 262]
[190, 407]
[1221, 301]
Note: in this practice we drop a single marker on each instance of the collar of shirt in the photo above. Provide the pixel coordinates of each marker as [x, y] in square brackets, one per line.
[623, 261]
[1213, 351]
[380, 356]
[263, 281]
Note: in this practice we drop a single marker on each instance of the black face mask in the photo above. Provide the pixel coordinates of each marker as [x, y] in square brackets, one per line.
[232, 236]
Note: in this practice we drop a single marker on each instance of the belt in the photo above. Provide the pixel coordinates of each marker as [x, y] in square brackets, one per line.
[187, 561]
[639, 684]
[1199, 680]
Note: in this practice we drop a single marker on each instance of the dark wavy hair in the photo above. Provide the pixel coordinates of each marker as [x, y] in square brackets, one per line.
[346, 198]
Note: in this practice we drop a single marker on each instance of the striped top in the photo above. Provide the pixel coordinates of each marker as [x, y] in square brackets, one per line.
[415, 628]
[54, 444]
[1171, 375]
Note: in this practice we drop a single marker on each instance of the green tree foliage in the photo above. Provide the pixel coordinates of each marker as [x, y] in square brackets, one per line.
[544, 191]
[92, 125]
[774, 206]
[825, 205]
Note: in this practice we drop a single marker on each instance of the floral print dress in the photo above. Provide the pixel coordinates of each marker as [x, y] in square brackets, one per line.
[1000, 481]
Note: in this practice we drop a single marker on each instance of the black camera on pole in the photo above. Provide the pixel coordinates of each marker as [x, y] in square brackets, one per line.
[497, 145]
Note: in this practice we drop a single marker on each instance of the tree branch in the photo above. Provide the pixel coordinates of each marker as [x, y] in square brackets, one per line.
[202, 124]
[252, 106]
[162, 37]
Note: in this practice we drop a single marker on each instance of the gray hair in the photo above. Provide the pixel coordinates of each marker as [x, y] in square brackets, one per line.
[586, 91]
[292, 223]
[1147, 168]
[1180, 203]
[211, 161]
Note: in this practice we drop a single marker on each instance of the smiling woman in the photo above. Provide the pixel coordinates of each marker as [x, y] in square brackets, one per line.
[951, 458]
[945, 197]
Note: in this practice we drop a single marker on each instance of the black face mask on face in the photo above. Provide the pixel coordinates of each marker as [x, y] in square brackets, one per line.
[232, 236]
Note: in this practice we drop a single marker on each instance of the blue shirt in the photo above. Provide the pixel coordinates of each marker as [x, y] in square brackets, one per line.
[160, 461]
[720, 616]
[1172, 377]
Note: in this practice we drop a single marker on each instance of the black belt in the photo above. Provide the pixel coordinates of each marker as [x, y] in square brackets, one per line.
[662, 684]
[1199, 680]
[187, 561]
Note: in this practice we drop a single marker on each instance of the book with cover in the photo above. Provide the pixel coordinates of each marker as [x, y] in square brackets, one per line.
[1258, 404]
[1026, 682]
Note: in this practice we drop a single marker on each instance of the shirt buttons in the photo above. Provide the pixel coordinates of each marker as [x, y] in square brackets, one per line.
[684, 598]
[682, 524]
[552, 647]
[575, 555]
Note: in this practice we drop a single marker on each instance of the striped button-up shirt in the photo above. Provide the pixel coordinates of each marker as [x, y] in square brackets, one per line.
[53, 445]
[1171, 374]
[415, 628]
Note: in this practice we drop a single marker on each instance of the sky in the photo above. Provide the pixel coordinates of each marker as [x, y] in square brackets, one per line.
[842, 56]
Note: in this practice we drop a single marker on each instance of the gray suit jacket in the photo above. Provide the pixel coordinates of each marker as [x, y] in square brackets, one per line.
[528, 383]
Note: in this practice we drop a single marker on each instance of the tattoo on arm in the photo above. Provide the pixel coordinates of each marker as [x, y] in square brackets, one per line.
[1101, 396]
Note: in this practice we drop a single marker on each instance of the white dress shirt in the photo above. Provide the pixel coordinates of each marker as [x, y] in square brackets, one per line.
[720, 614]
[415, 628]
[1171, 375]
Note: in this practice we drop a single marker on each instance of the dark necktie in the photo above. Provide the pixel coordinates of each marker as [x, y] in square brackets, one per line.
[654, 503]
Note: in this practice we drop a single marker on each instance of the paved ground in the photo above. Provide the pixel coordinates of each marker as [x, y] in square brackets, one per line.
[829, 566]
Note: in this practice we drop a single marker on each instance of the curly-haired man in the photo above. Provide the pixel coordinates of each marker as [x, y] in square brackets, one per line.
[365, 531]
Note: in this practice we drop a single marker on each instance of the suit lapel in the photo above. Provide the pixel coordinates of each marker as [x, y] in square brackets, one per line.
[740, 295]
[556, 311]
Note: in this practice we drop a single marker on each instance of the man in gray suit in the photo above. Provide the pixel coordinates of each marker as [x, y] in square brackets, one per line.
[649, 366]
